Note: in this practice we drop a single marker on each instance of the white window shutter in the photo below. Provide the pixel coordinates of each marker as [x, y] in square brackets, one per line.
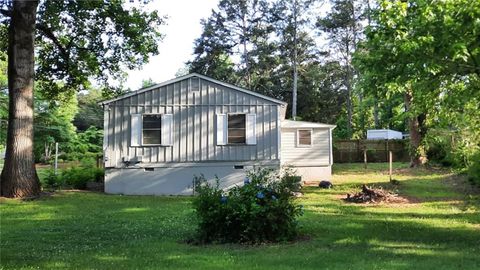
[106, 116]
[136, 130]
[251, 128]
[167, 129]
[222, 123]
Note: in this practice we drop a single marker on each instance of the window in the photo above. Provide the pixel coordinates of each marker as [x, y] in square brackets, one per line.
[236, 129]
[152, 129]
[304, 137]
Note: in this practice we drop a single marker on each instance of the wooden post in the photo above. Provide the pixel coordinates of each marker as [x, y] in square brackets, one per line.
[390, 161]
[357, 154]
[365, 157]
[386, 149]
[56, 158]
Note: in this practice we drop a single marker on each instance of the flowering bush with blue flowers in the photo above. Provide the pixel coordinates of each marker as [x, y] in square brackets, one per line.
[261, 210]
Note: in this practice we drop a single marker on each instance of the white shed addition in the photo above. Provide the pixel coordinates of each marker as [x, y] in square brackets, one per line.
[384, 134]
[158, 138]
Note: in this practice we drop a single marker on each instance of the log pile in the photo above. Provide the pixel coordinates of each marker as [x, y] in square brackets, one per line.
[374, 195]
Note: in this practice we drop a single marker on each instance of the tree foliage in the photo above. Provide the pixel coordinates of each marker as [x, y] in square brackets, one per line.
[74, 42]
[90, 113]
[404, 65]
[254, 48]
[53, 124]
[78, 41]
[429, 52]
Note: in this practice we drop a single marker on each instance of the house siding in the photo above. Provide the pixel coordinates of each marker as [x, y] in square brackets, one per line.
[318, 154]
[194, 103]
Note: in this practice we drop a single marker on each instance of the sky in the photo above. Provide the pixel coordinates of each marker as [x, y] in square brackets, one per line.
[183, 27]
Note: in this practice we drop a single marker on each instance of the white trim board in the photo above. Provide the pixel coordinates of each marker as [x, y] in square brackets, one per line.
[304, 124]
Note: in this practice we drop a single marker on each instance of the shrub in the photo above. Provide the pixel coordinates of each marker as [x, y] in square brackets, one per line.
[77, 177]
[262, 210]
[51, 180]
[474, 169]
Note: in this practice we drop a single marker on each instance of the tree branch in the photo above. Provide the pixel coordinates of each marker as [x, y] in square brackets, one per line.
[476, 66]
[47, 32]
[6, 12]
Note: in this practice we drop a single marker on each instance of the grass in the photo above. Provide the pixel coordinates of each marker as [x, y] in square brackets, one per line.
[81, 230]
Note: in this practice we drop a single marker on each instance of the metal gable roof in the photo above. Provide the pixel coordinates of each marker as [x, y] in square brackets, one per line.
[190, 76]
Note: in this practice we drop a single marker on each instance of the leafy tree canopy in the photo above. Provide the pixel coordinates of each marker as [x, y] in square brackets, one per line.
[428, 51]
[90, 113]
[81, 41]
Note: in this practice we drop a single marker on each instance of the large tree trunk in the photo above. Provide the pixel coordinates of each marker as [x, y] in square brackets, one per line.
[19, 178]
[416, 127]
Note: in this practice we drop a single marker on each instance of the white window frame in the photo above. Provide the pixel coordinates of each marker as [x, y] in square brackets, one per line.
[311, 138]
[144, 144]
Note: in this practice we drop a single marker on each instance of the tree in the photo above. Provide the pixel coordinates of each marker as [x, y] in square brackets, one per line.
[19, 178]
[148, 82]
[323, 96]
[244, 22]
[90, 113]
[53, 123]
[232, 30]
[212, 52]
[90, 141]
[76, 41]
[279, 46]
[426, 51]
[292, 18]
[343, 29]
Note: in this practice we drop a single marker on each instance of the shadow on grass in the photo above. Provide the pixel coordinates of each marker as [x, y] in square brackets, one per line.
[85, 230]
[358, 168]
[418, 185]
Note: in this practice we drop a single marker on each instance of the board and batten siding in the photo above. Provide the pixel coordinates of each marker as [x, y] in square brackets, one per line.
[318, 154]
[194, 104]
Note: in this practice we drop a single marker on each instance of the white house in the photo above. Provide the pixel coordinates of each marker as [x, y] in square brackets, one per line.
[157, 138]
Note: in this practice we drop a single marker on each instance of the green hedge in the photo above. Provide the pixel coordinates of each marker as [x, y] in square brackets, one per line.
[75, 177]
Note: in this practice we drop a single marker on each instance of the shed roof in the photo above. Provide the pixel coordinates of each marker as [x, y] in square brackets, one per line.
[304, 124]
[382, 130]
[129, 94]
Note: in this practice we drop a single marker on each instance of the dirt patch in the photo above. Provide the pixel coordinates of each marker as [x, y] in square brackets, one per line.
[42, 195]
[375, 195]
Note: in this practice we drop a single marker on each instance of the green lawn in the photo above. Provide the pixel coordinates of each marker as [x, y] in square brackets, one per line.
[81, 230]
